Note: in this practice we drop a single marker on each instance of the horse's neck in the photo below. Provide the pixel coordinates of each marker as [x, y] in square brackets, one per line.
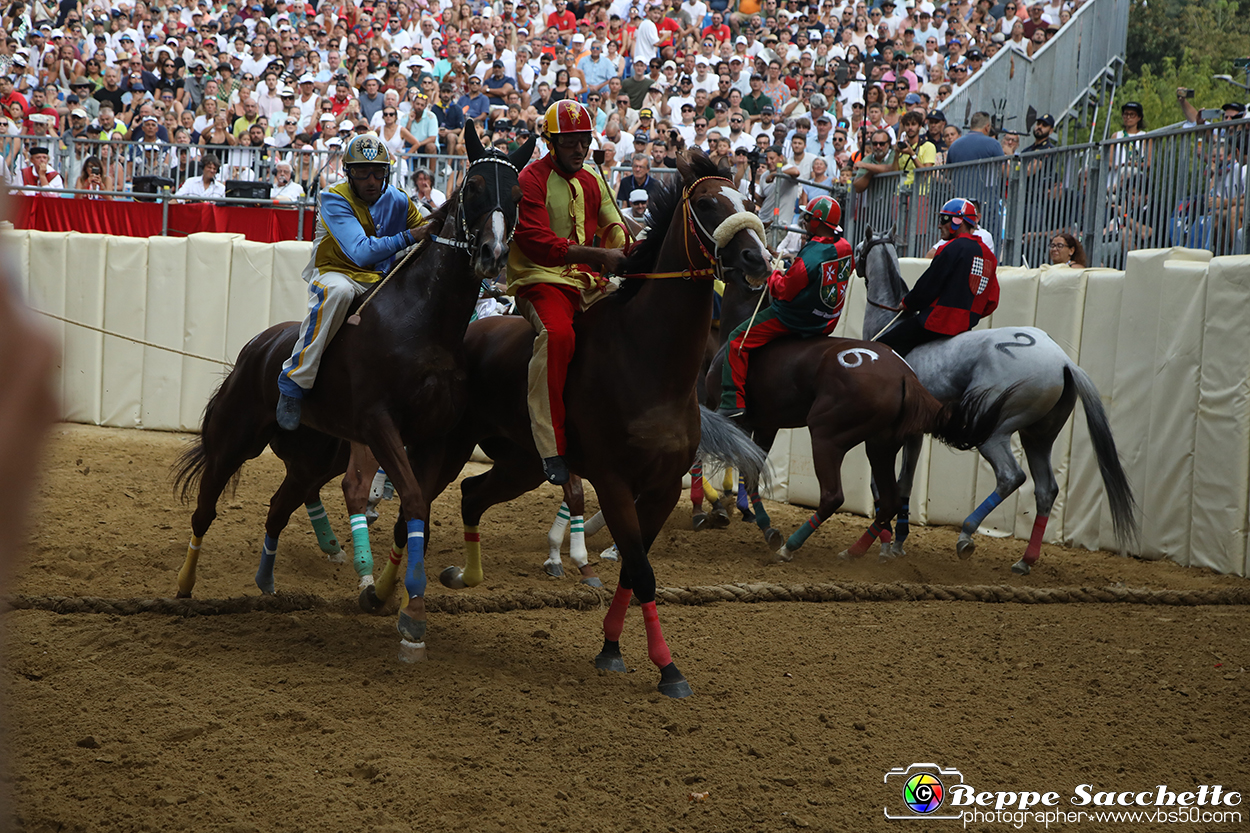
[437, 293]
[884, 289]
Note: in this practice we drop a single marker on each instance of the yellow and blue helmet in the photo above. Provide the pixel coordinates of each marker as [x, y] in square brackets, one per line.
[367, 149]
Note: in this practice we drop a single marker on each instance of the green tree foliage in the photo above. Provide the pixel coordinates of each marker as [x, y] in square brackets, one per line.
[1182, 43]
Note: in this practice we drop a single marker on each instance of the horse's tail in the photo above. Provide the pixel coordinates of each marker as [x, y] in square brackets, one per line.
[189, 467]
[968, 422]
[723, 442]
[1119, 493]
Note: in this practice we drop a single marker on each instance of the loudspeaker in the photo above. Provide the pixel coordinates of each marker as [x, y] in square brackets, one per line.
[150, 185]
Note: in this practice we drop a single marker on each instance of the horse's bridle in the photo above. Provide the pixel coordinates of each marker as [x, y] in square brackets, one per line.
[692, 224]
[463, 238]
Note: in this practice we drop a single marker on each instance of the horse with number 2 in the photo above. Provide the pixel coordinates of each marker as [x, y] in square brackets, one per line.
[1039, 386]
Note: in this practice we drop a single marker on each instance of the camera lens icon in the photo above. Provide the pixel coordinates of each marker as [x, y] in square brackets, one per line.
[923, 793]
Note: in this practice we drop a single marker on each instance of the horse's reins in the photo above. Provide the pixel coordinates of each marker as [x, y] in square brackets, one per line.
[454, 243]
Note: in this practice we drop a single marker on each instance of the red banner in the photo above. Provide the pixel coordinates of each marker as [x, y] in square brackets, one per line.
[143, 219]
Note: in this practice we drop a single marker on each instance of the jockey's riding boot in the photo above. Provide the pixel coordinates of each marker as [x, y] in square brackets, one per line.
[556, 470]
[288, 412]
[734, 414]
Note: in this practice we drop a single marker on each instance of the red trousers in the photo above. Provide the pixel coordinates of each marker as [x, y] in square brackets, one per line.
[550, 309]
[734, 373]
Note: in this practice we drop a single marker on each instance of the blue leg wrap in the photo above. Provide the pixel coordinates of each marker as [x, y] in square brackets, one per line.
[264, 573]
[414, 581]
[987, 506]
[362, 555]
[800, 535]
[901, 525]
[744, 502]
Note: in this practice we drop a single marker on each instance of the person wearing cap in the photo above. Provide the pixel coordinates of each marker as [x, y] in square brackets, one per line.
[40, 173]
[959, 288]
[497, 85]
[807, 300]
[565, 205]
[1043, 138]
[347, 257]
[638, 200]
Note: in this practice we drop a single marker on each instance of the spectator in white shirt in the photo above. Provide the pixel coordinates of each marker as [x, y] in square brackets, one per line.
[284, 188]
[206, 185]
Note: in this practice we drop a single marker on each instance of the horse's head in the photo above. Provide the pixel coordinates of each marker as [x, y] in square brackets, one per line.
[875, 256]
[488, 203]
[724, 221]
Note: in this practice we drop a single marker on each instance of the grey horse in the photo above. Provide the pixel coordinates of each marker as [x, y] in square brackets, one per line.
[1044, 385]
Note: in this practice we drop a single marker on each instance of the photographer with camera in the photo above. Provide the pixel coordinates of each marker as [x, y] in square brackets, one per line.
[913, 150]
[1193, 117]
[878, 158]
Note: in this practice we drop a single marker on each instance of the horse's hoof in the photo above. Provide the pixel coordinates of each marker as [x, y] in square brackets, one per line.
[965, 546]
[610, 554]
[365, 581]
[886, 555]
[610, 659]
[339, 557]
[411, 652]
[181, 595]
[896, 549]
[845, 555]
[773, 538]
[1020, 568]
[266, 589]
[672, 683]
[720, 519]
[591, 581]
[452, 578]
[554, 570]
[748, 516]
[369, 601]
[371, 515]
[699, 521]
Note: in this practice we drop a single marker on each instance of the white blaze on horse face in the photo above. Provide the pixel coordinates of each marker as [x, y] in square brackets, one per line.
[499, 228]
[854, 357]
[740, 207]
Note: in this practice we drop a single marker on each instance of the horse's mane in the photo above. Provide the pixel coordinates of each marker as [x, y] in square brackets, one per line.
[664, 204]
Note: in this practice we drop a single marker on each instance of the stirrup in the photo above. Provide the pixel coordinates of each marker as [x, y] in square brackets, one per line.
[288, 413]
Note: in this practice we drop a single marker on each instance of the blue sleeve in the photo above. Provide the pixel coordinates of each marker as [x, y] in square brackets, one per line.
[363, 250]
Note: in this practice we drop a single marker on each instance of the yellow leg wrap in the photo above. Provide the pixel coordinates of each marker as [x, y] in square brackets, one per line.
[385, 582]
[727, 482]
[186, 576]
[472, 557]
[709, 491]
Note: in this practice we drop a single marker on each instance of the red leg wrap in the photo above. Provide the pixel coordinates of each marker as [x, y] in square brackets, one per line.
[886, 536]
[1034, 550]
[865, 541]
[696, 485]
[657, 648]
[614, 622]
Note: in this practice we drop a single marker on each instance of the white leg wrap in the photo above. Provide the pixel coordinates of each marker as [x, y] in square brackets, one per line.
[577, 543]
[555, 536]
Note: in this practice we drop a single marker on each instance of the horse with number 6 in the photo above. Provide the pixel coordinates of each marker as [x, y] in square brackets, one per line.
[1038, 385]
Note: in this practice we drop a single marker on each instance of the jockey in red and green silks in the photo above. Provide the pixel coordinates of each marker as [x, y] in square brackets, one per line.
[807, 301]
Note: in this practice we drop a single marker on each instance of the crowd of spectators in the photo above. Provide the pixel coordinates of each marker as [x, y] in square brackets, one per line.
[201, 91]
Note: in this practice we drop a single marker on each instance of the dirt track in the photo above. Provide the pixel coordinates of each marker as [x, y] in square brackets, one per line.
[305, 721]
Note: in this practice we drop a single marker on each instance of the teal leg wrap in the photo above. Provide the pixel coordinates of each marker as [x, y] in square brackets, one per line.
[804, 532]
[362, 555]
[761, 515]
[326, 538]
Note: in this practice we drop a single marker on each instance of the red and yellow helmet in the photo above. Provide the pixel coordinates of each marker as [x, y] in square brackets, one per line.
[823, 209]
[566, 117]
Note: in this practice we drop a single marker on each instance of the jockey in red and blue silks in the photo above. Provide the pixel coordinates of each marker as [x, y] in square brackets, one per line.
[807, 300]
[361, 224]
[959, 288]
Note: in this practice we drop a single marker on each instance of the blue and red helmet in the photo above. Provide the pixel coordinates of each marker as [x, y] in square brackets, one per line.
[960, 211]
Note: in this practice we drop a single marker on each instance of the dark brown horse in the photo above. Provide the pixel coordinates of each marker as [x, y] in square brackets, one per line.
[846, 392]
[395, 380]
[633, 418]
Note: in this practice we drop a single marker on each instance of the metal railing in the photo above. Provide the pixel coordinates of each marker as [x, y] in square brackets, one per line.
[123, 162]
[1075, 57]
[1175, 187]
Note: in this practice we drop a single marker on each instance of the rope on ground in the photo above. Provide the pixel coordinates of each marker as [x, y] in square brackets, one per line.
[586, 598]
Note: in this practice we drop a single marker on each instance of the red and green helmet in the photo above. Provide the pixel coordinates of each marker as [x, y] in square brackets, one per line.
[823, 209]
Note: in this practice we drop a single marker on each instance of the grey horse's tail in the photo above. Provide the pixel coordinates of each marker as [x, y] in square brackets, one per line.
[723, 442]
[1119, 493]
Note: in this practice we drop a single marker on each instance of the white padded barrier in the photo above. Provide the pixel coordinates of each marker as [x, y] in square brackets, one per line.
[1221, 488]
[1165, 344]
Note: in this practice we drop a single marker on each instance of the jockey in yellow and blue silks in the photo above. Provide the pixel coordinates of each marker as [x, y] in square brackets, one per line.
[361, 224]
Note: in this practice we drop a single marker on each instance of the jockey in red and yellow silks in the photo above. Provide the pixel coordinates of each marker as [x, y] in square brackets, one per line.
[959, 288]
[564, 206]
[807, 300]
